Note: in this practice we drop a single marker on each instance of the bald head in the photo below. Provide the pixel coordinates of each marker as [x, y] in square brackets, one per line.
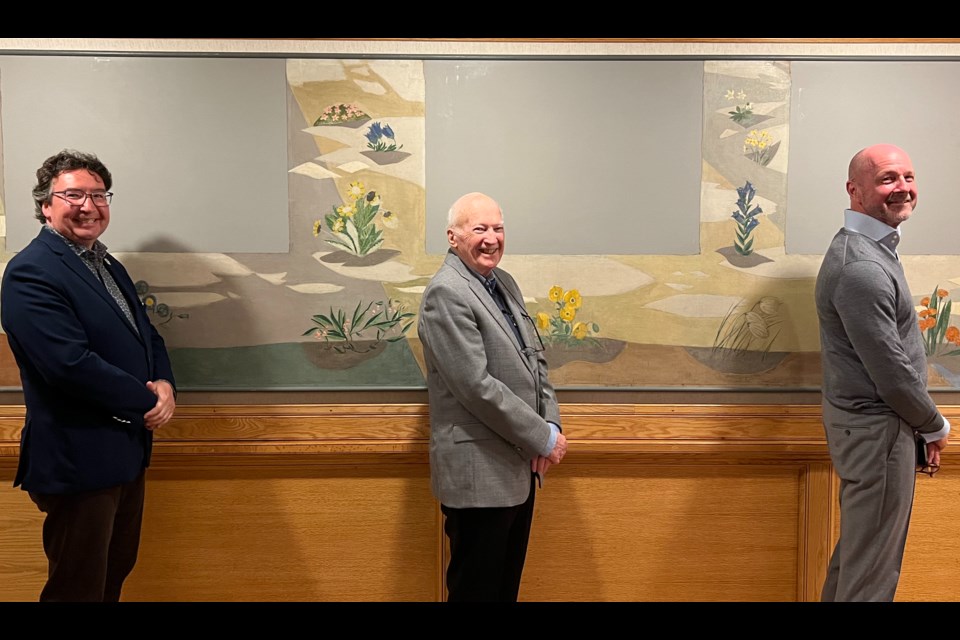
[465, 204]
[475, 231]
[881, 183]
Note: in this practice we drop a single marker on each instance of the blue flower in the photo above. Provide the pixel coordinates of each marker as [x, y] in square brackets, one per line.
[746, 192]
[387, 131]
[374, 133]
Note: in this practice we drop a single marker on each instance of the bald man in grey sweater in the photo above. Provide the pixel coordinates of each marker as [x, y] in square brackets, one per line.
[874, 378]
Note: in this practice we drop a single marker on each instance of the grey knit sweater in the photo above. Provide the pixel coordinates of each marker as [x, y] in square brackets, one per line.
[871, 348]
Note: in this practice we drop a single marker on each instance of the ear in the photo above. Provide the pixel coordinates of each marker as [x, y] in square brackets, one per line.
[851, 188]
[45, 210]
[452, 238]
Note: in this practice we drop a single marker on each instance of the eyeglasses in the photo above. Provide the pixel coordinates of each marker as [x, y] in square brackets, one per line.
[533, 325]
[76, 197]
[928, 469]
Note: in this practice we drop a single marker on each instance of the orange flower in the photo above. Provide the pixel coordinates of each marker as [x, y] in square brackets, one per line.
[942, 293]
[953, 335]
[927, 323]
[925, 302]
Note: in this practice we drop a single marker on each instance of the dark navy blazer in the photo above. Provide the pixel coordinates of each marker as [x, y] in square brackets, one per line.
[83, 368]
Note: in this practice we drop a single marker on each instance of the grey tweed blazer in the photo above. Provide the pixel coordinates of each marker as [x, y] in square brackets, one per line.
[490, 398]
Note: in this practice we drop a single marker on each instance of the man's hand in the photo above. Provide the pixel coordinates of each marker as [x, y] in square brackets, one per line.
[163, 410]
[540, 464]
[934, 448]
[559, 449]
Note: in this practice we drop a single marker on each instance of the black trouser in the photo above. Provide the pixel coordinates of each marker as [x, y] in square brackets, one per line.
[91, 540]
[488, 547]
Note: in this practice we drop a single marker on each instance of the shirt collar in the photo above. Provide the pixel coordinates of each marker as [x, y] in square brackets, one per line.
[96, 253]
[872, 228]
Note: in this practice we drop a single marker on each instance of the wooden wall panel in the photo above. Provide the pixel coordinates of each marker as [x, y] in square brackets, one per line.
[300, 533]
[332, 503]
[665, 533]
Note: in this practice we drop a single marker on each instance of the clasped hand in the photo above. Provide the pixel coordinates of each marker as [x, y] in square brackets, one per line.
[540, 464]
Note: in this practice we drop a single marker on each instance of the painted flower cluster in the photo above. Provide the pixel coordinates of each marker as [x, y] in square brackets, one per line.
[380, 137]
[746, 217]
[742, 112]
[757, 146]
[934, 317]
[363, 329]
[352, 226]
[340, 113]
[752, 328]
[562, 326]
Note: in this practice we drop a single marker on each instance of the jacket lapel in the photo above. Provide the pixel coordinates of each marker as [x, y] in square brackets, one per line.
[477, 288]
[75, 263]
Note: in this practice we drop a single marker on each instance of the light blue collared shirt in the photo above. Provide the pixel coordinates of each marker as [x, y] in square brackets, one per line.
[872, 228]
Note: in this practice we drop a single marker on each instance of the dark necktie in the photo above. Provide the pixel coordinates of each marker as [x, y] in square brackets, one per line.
[491, 285]
[95, 263]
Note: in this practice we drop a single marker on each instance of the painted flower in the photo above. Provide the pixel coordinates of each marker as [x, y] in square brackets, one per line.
[942, 293]
[769, 305]
[730, 94]
[741, 95]
[317, 225]
[356, 190]
[572, 299]
[374, 133]
[346, 210]
[568, 313]
[757, 325]
[953, 335]
[925, 302]
[580, 330]
[338, 225]
[390, 219]
[556, 292]
[543, 320]
[373, 198]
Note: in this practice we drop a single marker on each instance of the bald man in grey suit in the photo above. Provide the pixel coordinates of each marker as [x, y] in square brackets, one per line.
[494, 419]
[874, 378]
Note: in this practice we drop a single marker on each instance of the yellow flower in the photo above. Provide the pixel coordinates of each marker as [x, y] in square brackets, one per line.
[356, 190]
[580, 331]
[316, 228]
[390, 220]
[556, 292]
[568, 313]
[338, 225]
[572, 299]
[346, 210]
[543, 320]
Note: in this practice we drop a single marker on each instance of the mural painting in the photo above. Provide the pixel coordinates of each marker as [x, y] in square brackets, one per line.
[338, 310]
